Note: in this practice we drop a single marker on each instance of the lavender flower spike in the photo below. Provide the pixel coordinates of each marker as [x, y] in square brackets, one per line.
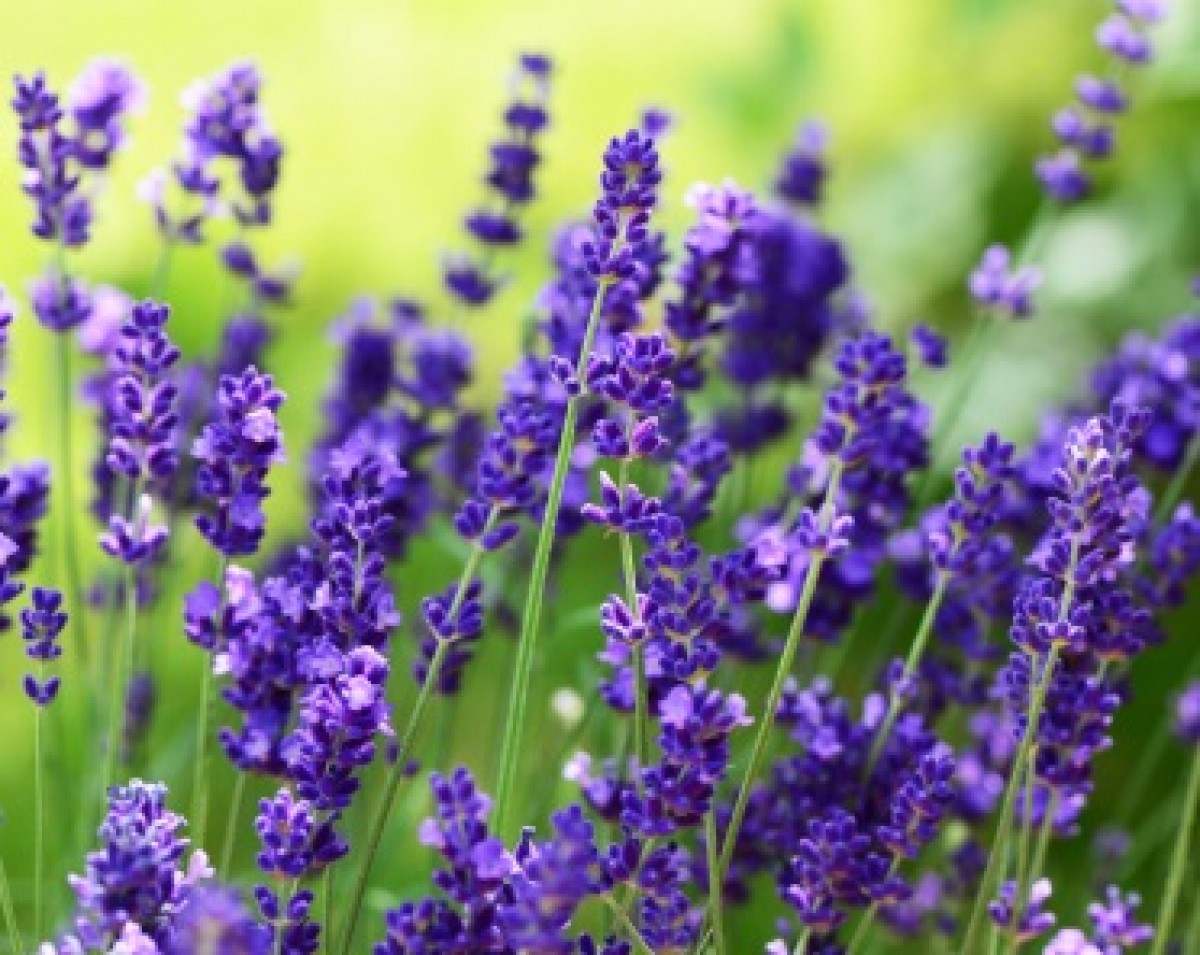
[236, 452]
[143, 420]
[42, 624]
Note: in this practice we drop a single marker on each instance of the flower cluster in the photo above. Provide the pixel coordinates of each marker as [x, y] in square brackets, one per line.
[143, 421]
[42, 623]
[138, 880]
[1085, 131]
[236, 451]
[511, 181]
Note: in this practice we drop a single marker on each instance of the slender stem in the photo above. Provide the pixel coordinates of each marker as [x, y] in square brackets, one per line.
[629, 569]
[758, 751]
[1131, 797]
[1024, 844]
[1179, 860]
[527, 641]
[1004, 824]
[162, 269]
[39, 817]
[975, 350]
[864, 925]
[66, 461]
[635, 936]
[802, 941]
[715, 905]
[6, 905]
[864, 929]
[915, 654]
[1025, 876]
[231, 825]
[327, 900]
[122, 670]
[201, 765]
[1192, 939]
[379, 823]
[1179, 480]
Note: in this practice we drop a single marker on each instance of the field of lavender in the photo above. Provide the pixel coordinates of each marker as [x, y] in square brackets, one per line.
[693, 569]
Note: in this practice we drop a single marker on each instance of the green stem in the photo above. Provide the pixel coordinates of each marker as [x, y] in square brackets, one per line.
[327, 900]
[122, 670]
[975, 350]
[235, 810]
[1179, 860]
[635, 936]
[39, 820]
[629, 569]
[715, 904]
[6, 905]
[1178, 485]
[758, 751]
[404, 748]
[208, 703]
[915, 654]
[1004, 824]
[66, 459]
[864, 925]
[1192, 939]
[162, 270]
[802, 941]
[527, 641]
[1025, 876]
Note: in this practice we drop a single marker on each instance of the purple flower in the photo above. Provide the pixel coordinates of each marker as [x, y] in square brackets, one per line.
[236, 451]
[676, 793]
[1187, 715]
[835, 866]
[858, 407]
[99, 102]
[551, 880]
[60, 302]
[510, 181]
[629, 192]
[24, 495]
[292, 931]
[802, 178]
[1009, 293]
[42, 623]
[476, 871]
[1115, 922]
[1034, 921]
[335, 738]
[136, 875]
[930, 346]
[295, 842]
[216, 920]
[1085, 132]
[919, 804]
[716, 265]
[226, 123]
[63, 214]
[143, 420]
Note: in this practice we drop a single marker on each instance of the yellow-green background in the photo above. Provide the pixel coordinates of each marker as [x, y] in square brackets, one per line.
[936, 107]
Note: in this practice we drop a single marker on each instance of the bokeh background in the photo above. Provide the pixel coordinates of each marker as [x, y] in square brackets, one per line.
[936, 108]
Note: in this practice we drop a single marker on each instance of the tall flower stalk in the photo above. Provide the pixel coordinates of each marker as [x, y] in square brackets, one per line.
[1095, 515]
[629, 190]
[236, 451]
[856, 413]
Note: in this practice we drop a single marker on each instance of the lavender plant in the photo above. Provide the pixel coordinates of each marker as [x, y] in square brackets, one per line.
[746, 763]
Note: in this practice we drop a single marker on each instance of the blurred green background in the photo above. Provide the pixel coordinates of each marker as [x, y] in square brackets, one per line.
[937, 109]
